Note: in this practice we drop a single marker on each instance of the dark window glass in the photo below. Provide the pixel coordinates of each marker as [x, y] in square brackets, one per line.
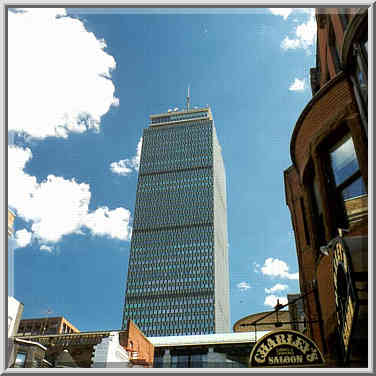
[354, 189]
[20, 360]
[343, 161]
[158, 361]
[318, 212]
[347, 179]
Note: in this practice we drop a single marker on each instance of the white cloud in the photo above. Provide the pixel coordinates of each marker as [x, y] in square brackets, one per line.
[126, 166]
[23, 238]
[297, 85]
[57, 206]
[243, 286]
[275, 288]
[284, 12]
[59, 74]
[305, 34]
[288, 43]
[277, 268]
[271, 300]
[256, 267]
[112, 223]
[46, 248]
[121, 167]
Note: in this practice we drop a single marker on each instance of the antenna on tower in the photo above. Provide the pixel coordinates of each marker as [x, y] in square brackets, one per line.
[188, 98]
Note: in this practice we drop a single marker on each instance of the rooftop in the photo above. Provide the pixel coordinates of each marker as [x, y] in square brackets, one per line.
[208, 339]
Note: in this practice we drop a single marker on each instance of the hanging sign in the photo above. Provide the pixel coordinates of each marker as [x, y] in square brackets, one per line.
[285, 348]
[345, 295]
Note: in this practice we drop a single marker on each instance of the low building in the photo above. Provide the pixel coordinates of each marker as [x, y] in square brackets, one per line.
[225, 350]
[101, 349]
[15, 309]
[28, 354]
[45, 325]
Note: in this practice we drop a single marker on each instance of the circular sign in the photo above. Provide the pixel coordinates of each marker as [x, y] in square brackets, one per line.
[285, 348]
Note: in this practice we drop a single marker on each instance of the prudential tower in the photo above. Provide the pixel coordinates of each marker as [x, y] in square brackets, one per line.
[178, 277]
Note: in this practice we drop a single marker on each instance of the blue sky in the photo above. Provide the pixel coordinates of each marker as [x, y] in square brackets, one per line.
[82, 83]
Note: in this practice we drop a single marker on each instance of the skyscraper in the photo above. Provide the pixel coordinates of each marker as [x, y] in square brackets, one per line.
[178, 278]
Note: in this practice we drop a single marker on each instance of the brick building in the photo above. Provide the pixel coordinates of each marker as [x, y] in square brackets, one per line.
[327, 189]
[101, 349]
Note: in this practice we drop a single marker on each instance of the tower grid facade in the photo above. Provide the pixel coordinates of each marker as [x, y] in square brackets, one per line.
[178, 278]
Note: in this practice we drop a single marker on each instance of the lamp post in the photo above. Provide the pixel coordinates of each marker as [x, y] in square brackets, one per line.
[278, 306]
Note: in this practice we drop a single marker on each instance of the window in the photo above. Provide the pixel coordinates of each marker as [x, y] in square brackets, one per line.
[345, 173]
[20, 360]
[359, 77]
[361, 69]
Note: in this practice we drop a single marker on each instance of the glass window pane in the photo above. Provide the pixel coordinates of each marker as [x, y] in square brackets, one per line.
[344, 162]
[20, 360]
[196, 361]
[183, 361]
[354, 189]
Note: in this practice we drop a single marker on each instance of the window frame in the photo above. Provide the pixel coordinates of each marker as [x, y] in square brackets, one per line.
[338, 205]
[23, 364]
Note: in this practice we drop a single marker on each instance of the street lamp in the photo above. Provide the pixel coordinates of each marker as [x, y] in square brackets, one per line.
[278, 306]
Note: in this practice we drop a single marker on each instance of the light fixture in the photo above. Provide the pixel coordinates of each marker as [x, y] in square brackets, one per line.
[278, 306]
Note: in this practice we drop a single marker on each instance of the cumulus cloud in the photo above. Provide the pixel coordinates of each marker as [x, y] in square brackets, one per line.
[58, 73]
[274, 267]
[288, 43]
[57, 206]
[46, 248]
[112, 223]
[243, 286]
[271, 300]
[305, 34]
[275, 288]
[125, 167]
[284, 12]
[297, 85]
[23, 238]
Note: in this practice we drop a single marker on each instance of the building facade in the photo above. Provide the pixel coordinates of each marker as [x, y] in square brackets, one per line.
[178, 278]
[327, 189]
[45, 325]
[225, 350]
[101, 349]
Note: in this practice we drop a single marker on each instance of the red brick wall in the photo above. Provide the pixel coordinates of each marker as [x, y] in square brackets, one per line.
[136, 341]
[324, 110]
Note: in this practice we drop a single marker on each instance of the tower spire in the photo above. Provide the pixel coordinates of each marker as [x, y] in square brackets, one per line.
[188, 98]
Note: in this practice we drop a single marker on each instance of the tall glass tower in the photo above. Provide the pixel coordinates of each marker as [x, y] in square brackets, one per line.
[178, 278]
